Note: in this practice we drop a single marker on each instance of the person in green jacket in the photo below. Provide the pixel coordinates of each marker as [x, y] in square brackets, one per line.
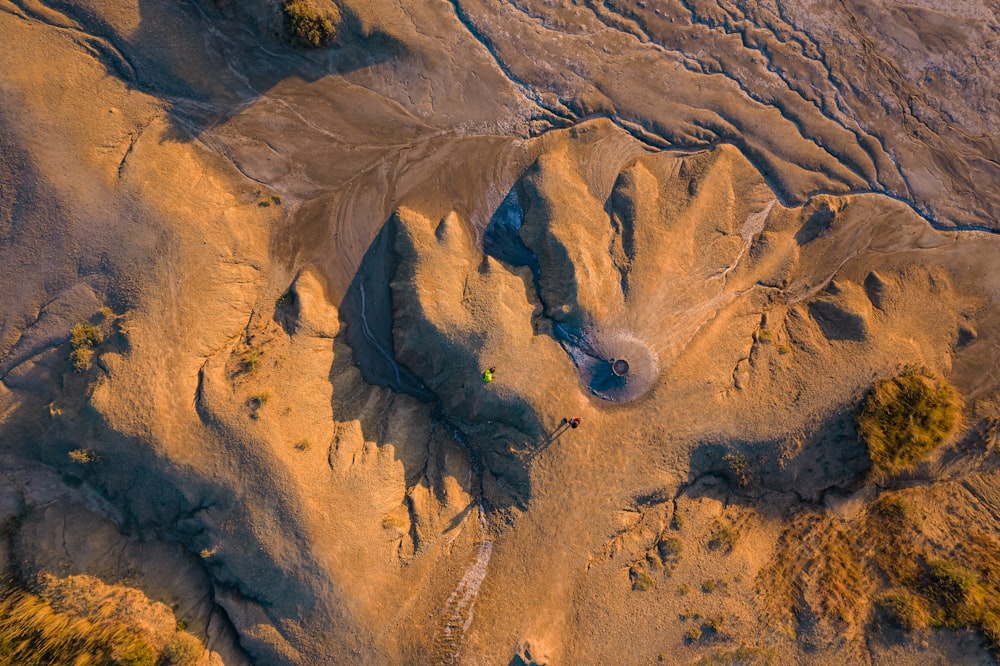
[488, 375]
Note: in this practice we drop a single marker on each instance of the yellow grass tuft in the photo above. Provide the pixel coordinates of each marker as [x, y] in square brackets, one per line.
[33, 633]
[904, 418]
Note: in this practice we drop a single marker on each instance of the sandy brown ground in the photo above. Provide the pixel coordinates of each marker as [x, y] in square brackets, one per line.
[301, 261]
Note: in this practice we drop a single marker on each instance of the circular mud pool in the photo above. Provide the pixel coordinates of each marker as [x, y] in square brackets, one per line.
[615, 365]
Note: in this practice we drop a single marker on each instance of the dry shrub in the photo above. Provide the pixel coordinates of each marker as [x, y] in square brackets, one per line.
[251, 360]
[83, 338]
[85, 335]
[311, 26]
[82, 456]
[724, 536]
[905, 417]
[183, 650]
[641, 580]
[670, 547]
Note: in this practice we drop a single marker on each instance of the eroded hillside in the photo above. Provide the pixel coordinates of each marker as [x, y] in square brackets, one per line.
[257, 257]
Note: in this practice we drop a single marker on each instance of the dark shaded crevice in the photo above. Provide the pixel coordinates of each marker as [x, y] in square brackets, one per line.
[370, 321]
[367, 312]
[502, 241]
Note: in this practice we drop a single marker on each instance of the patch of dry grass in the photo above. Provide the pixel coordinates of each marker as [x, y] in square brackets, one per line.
[33, 633]
[904, 418]
[641, 580]
[904, 609]
[724, 536]
[818, 570]
[741, 656]
[881, 569]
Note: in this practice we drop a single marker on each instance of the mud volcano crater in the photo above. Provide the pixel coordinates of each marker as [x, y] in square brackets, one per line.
[614, 364]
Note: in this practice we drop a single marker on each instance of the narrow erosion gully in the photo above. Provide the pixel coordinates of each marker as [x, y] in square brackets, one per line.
[460, 605]
[528, 91]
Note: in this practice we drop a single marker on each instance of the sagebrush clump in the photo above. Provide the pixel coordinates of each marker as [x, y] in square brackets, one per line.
[641, 580]
[251, 360]
[724, 536]
[904, 418]
[310, 25]
[83, 338]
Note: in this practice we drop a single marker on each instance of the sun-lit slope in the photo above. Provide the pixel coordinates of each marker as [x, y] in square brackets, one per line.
[298, 263]
[764, 325]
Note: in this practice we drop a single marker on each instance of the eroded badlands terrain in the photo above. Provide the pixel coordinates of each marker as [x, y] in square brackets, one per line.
[253, 277]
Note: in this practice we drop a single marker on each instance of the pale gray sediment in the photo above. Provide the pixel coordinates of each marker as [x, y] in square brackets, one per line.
[597, 354]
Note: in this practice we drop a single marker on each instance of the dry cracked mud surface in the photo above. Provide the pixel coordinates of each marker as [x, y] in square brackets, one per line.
[251, 289]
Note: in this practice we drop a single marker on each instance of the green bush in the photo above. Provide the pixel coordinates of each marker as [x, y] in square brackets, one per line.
[311, 26]
[904, 418]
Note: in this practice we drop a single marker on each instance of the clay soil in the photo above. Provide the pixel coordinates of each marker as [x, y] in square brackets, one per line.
[252, 280]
